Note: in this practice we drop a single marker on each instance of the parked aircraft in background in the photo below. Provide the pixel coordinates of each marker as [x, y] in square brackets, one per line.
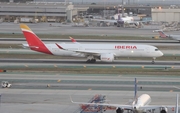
[105, 52]
[139, 105]
[126, 19]
[117, 20]
[163, 35]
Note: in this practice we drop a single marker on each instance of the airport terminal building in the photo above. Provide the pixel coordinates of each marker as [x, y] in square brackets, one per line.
[39, 11]
[64, 11]
[166, 14]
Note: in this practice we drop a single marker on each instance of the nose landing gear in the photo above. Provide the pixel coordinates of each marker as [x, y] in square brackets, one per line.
[153, 60]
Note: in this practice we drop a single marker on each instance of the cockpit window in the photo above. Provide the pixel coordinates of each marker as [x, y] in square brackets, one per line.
[156, 50]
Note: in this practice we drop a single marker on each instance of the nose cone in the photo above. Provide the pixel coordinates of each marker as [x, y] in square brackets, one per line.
[160, 54]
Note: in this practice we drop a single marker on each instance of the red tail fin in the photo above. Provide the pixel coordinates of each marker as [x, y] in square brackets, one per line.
[162, 34]
[33, 40]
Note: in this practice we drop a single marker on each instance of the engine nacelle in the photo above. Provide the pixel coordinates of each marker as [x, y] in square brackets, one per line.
[163, 110]
[119, 110]
[109, 57]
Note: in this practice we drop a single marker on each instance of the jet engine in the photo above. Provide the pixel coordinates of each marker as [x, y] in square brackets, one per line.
[119, 110]
[163, 110]
[109, 57]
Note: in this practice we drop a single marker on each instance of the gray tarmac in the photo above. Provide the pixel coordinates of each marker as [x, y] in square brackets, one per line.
[81, 63]
[30, 94]
[17, 100]
[60, 29]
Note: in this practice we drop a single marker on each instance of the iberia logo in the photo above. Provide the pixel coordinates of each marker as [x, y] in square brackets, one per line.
[125, 47]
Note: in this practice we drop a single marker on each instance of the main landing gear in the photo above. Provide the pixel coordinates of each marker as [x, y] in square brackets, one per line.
[91, 59]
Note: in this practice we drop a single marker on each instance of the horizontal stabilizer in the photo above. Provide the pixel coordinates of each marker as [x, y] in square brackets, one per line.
[27, 46]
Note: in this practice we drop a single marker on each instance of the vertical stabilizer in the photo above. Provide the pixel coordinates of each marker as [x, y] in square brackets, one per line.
[33, 40]
[135, 89]
[119, 17]
[177, 107]
[162, 34]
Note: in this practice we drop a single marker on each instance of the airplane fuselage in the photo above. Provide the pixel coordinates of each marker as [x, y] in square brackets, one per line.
[119, 50]
[175, 37]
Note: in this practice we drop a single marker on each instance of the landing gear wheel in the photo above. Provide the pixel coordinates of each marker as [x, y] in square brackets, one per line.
[91, 61]
[88, 61]
[153, 61]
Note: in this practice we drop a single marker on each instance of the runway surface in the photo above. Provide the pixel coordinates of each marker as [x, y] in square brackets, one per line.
[45, 100]
[89, 82]
[49, 92]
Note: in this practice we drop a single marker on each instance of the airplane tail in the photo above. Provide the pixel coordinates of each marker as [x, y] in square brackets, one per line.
[33, 40]
[162, 34]
[119, 17]
[177, 99]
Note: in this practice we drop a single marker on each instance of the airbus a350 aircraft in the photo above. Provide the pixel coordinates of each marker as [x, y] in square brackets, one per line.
[139, 105]
[105, 52]
[174, 37]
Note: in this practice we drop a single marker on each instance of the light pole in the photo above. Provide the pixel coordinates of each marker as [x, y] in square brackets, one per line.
[122, 8]
[104, 8]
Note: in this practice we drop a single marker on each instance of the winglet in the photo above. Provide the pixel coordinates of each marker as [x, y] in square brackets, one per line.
[71, 99]
[72, 39]
[25, 27]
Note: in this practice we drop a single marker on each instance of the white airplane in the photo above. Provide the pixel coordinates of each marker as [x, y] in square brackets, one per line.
[126, 19]
[163, 35]
[117, 20]
[104, 52]
[139, 105]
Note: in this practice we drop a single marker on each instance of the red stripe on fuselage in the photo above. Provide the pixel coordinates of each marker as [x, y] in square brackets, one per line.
[34, 41]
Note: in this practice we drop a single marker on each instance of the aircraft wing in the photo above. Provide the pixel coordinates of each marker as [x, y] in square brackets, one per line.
[104, 104]
[27, 46]
[82, 51]
[101, 20]
[88, 52]
[149, 107]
